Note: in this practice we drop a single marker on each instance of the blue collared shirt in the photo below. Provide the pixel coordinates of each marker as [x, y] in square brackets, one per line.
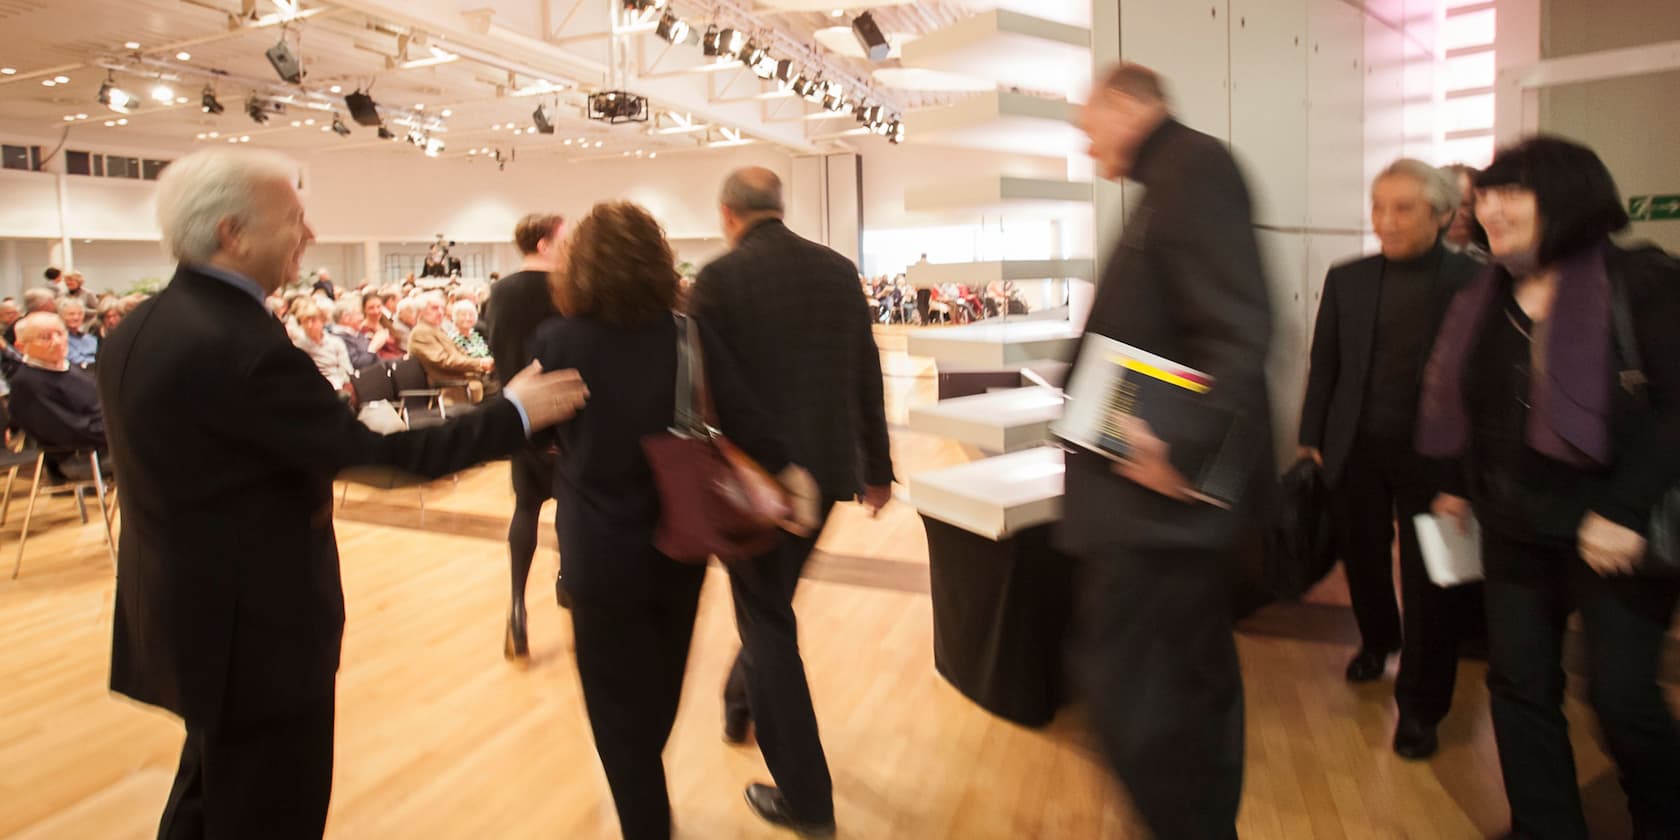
[84, 347]
[250, 287]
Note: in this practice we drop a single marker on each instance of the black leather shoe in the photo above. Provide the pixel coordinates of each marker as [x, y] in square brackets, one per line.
[767, 802]
[514, 644]
[1366, 666]
[1415, 741]
[735, 726]
[561, 596]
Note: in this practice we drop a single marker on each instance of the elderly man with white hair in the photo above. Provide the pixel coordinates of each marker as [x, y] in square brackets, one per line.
[52, 400]
[1376, 324]
[433, 343]
[229, 611]
[84, 345]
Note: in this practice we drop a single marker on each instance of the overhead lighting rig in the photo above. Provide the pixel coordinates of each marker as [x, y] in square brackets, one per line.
[116, 98]
[208, 102]
[617, 106]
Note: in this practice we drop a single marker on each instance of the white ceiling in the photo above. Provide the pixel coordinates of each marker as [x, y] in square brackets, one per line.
[355, 43]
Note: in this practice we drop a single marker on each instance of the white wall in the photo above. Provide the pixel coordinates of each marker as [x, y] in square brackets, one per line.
[889, 170]
[1634, 122]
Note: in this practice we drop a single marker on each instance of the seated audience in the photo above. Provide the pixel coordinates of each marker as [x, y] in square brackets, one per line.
[347, 326]
[109, 315]
[377, 330]
[464, 314]
[52, 401]
[445, 362]
[328, 352]
[10, 312]
[407, 312]
[84, 345]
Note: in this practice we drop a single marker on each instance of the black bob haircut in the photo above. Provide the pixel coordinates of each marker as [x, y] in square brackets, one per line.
[1573, 192]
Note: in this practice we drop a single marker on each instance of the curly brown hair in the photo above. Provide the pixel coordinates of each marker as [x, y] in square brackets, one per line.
[620, 269]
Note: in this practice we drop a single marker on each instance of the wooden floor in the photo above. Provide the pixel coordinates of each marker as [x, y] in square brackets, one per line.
[439, 737]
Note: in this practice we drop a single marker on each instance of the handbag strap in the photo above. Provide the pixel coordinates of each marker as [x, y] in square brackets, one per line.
[693, 412]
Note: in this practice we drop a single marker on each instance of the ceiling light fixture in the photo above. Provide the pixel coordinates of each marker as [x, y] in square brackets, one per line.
[8, 71]
[63, 80]
[208, 102]
[539, 118]
[339, 127]
[114, 97]
[183, 56]
[710, 41]
[256, 111]
[336, 89]
[672, 28]
[132, 45]
[163, 94]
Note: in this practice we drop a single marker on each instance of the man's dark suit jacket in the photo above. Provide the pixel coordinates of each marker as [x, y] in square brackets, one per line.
[792, 314]
[519, 303]
[229, 605]
[1342, 349]
[1185, 282]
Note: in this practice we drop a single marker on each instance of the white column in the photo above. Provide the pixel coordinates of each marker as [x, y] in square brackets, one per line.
[11, 274]
[1516, 50]
[373, 267]
[63, 255]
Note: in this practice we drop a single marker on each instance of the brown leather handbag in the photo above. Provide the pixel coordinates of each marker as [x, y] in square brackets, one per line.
[714, 499]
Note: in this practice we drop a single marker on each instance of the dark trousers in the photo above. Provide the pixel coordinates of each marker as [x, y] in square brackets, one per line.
[1531, 589]
[1158, 670]
[1384, 481]
[631, 655]
[268, 779]
[768, 680]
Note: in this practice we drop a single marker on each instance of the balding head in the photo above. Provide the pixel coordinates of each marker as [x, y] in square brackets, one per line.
[41, 337]
[749, 196]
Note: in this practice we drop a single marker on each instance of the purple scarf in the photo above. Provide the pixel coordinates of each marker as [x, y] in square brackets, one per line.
[1569, 418]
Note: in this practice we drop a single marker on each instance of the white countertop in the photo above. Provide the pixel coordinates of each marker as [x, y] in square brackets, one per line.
[994, 497]
[1001, 421]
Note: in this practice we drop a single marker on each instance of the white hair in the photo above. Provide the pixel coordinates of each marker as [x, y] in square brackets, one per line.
[407, 304]
[348, 305]
[71, 303]
[197, 191]
[1440, 186]
[463, 305]
[31, 325]
[425, 299]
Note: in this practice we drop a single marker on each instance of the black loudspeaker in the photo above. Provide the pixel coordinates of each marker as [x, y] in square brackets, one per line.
[362, 109]
[869, 37]
[285, 62]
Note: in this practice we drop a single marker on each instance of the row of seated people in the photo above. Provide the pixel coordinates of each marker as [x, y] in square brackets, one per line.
[451, 350]
[86, 324]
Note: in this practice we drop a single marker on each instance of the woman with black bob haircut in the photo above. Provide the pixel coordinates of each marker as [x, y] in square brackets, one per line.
[1564, 451]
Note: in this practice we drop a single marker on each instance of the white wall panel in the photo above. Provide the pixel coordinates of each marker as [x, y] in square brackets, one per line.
[1187, 42]
[28, 204]
[1269, 105]
[1284, 256]
[804, 197]
[1385, 75]
[24, 260]
[1335, 115]
[845, 206]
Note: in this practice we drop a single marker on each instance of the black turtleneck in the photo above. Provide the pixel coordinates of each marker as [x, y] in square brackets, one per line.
[1405, 315]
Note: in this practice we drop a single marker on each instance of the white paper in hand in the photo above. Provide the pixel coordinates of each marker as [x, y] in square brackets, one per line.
[1451, 555]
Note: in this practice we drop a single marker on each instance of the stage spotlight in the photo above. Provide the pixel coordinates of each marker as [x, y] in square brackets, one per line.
[385, 134]
[784, 70]
[255, 110]
[895, 132]
[362, 108]
[752, 52]
[539, 118]
[163, 94]
[731, 42]
[672, 28]
[709, 42]
[286, 63]
[869, 37]
[208, 104]
[116, 98]
[764, 66]
[433, 146]
[339, 127]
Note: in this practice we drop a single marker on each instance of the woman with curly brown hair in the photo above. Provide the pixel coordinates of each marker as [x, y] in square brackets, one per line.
[633, 608]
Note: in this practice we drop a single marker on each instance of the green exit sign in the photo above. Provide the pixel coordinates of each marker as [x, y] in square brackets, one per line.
[1654, 208]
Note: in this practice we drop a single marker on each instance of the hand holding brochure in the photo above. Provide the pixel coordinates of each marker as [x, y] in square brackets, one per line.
[1114, 381]
[1451, 555]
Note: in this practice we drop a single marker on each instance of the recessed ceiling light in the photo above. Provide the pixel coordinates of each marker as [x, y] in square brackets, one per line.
[8, 71]
[419, 106]
[336, 88]
[163, 93]
[652, 155]
[215, 134]
[496, 127]
[233, 139]
[566, 142]
[837, 13]
[133, 45]
[310, 121]
[201, 135]
[597, 144]
[326, 128]
[296, 123]
[110, 123]
[448, 113]
[68, 118]
[63, 80]
[122, 121]
[48, 83]
[244, 138]
[180, 100]
[183, 56]
[81, 116]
